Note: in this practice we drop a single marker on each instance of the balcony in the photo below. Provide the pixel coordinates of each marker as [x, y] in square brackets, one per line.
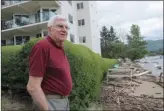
[22, 6]
[27, 20]
[11, 2]
[5, 3]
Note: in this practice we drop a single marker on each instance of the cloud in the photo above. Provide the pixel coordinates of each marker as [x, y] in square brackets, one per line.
[122, 14]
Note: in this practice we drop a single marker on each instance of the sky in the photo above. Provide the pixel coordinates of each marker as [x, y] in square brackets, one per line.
[148, 15]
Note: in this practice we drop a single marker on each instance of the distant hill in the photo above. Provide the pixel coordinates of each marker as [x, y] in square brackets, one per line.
[154, 45]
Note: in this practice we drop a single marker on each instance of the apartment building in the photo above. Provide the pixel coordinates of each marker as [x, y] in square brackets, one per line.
[23, 20]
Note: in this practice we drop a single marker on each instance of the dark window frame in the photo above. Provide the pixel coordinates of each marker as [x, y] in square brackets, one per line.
[80, 5]
[19, 40]
[72, 38]
[82, 39]
[38, 35]
[81, 22]
[3, 42]
[70, 2]
[70, 18]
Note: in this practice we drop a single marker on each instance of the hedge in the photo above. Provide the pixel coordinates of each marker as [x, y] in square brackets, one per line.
[87, 69]
[7, 51]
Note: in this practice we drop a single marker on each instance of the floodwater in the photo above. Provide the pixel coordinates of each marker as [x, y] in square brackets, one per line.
[150, 63]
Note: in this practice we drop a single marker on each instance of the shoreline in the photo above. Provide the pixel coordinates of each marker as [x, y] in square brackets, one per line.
[125, 93]
[150, 61]
[156, 76]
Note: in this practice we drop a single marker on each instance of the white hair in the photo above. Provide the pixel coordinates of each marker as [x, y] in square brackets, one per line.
[54, 18]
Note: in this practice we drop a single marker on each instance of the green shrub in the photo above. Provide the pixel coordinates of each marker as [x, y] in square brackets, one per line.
[87, 69]
[8, 52]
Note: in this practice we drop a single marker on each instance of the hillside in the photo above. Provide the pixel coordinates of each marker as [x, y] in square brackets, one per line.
[154, 45]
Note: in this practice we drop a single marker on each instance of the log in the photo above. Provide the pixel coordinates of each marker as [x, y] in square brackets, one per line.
[126, 75]
[137, 81]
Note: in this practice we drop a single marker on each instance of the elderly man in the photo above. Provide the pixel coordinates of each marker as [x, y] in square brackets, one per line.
[50, 81]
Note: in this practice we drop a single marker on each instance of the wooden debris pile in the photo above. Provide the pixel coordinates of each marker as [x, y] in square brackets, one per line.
[120, 100]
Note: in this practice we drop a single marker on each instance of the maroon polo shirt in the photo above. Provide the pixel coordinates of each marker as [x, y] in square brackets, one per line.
[49, 61]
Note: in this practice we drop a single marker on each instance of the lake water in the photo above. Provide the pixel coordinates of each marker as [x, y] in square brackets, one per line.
[149, 64]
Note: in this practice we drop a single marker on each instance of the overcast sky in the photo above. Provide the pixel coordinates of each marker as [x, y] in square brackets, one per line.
[122, 14]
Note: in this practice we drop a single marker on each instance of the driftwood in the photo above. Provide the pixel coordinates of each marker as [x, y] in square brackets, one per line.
[115, 93]
[161, 77]
[139, 82]
[125, 75]
[116, 99]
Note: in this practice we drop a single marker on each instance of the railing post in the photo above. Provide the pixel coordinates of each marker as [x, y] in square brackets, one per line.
[14, 40]
[41, 14]
[42, 34]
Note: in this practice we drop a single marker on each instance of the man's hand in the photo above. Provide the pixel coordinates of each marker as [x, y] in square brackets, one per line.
[36, 92]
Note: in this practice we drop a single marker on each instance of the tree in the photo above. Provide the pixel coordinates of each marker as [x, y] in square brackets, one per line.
[136, 44]
[122, 35]
[112, 34]
[111, 47]
[119, 50]
[104, 40]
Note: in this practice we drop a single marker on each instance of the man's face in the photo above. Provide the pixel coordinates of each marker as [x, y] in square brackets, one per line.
[59, 30]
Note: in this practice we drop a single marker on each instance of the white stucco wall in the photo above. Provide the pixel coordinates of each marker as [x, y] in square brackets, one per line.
[85, 29]
[95, 34]
[90, 30]
[66, 9]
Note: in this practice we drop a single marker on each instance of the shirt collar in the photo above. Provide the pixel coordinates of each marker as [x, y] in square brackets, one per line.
[53, 42]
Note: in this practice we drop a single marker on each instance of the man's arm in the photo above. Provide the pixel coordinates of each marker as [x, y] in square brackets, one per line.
[36, 92]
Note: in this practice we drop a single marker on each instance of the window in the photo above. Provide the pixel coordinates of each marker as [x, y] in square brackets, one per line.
[72, 38]
[3, 25]
[81, 22]
[52, 12]
[3, 2]
[11, 41]
[18, 40]
[25, 19]
[21, 39]
[80, 6]
[21, 20]
[37, 16]
[45, 33]
[70, 18]
[18, 20]
[82, 39]
[70, 2]
[45, 14]
[38, 35]
[25, 39]
[3, 42]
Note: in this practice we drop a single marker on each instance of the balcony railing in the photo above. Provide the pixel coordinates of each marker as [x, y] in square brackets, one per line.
[11, 2]
[23, 20]
[5, 3]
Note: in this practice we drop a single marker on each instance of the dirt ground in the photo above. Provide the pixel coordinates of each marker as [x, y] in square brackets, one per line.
[117, 95]
[16, 103]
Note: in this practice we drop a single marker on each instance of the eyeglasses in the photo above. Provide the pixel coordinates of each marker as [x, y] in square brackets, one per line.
[62, 26]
